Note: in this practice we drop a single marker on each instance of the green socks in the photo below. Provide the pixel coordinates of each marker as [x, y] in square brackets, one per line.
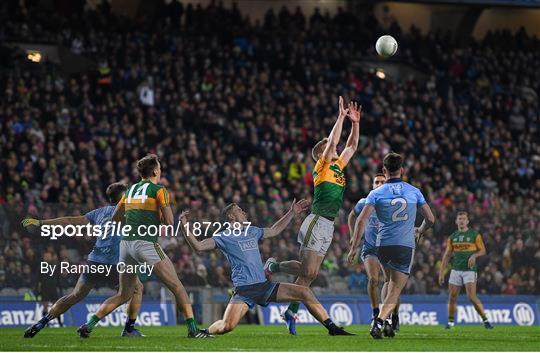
[484, 317]
[192, 325]
[92, 322]
[293, 307]
[274, 267]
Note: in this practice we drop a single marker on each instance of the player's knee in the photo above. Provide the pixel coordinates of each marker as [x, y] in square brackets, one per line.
[139, 287]
[303, 293]
[310, 275]
[125, 295]
[175, 287]
[75, 297]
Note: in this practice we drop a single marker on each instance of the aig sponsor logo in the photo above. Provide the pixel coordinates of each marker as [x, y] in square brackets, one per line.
[523, 314]
[341, 314]
[246, 245]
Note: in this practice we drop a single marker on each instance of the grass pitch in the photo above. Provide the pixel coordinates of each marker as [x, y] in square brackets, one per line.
[275, 338]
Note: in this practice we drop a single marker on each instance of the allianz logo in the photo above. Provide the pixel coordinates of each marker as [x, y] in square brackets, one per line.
[521, 314]
[24, 317]
[340, 313]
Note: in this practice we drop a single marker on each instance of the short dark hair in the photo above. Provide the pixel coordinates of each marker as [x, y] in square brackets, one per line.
[393, 162]
[379, 175]
[463, 213]
[147, 164]
[115, 191]
[226, 211]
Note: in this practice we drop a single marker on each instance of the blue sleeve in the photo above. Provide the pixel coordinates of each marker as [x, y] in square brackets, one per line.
[219, 241]
[257, 232]
[92, 215]
[359, 206]
[371, 199]
[420, 199]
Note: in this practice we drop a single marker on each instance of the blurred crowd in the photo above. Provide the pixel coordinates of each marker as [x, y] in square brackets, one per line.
[233, 107]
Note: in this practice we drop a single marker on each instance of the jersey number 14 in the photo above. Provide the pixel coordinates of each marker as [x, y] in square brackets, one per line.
[140, 194]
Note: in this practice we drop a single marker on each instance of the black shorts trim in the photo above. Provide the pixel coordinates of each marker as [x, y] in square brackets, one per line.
[397, 257]
[273, 296]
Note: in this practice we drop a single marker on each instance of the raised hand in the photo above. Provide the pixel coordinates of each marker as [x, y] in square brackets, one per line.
[355, 112]
[184, 216]
[342, 110]
[300, 206]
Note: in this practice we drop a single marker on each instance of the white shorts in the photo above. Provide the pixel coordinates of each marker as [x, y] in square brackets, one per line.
[316, 233]
[135, 252]
[459, 278]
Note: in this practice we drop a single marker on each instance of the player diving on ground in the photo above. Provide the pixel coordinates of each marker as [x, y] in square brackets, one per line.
[251, 287]
[317, 230]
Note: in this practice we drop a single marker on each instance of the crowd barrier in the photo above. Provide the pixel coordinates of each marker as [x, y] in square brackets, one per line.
[343, 309]
[419, 310]
[16, 313]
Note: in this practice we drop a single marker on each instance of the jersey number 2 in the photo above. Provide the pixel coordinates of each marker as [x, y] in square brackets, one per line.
[396, 216]
[140, 194]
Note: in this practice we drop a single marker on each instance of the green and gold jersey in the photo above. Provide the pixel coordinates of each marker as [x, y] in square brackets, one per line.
[143, 202]
[329, 181]
[464, 244]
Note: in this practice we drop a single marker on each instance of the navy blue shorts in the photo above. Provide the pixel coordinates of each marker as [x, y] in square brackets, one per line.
[258, 293]
[368, 250]
[101, 279]
[397, 257]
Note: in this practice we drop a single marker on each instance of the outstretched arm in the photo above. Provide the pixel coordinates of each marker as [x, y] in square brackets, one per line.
[62, 221]
[335, 134]
[283, 222]
[203, 245]
[355, 113]
[359, 227]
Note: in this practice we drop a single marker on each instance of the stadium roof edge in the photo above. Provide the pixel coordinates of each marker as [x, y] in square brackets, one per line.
[486, 3]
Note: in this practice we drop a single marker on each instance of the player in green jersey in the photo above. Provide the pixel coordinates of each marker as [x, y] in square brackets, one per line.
[143, 205]
[467, 245]
[317, 230]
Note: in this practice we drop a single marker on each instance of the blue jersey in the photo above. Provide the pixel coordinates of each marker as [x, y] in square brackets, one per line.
[395, 203]
[243, 254]
[107, 247]
[372, 227]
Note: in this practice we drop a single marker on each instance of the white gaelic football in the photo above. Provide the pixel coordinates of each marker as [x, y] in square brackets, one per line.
[386, 46]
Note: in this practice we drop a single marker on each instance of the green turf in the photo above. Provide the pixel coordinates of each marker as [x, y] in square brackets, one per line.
[274, 338]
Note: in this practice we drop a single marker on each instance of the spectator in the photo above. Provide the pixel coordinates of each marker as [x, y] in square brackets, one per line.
[358, 280]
